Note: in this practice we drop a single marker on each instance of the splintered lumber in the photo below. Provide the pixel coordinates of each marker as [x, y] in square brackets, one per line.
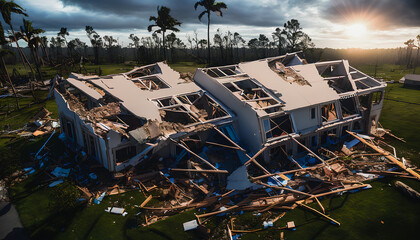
[230, 140]
[286, 189]
[392, 135]
[307, 149]
[319, 213]
[247, 231]
[196, 155]
[85, 191]
[222, 145]
[319, 203]
[340, 190]
[256, 155]
[255, 161]
[146, 201]
[278, 217]
[229, 232]
[217, 212]
[199, 170]
[387, 155]
[287, 172]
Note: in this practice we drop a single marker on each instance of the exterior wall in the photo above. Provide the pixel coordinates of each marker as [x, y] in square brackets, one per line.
[303, 121]
[78, 124]
[249, 130]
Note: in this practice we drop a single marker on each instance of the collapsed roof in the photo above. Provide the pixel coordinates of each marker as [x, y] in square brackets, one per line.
[288, 82]
[154, 95]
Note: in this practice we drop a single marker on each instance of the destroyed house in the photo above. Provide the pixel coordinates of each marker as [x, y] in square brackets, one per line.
[120, 120]
[280, 98]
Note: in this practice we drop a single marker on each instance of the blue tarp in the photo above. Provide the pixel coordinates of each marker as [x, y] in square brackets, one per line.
[61, 172]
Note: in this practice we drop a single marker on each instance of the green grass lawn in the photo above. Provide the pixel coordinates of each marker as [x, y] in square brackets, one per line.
[104, 69]
[402, 118]
[360, 215]
[386, 71]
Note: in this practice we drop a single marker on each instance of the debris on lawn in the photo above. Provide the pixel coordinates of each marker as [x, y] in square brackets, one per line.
[183, 151]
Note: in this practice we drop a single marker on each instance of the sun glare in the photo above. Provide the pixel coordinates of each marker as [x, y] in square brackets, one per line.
[356, 30]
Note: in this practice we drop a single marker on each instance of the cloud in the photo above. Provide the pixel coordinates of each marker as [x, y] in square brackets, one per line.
[380, 14]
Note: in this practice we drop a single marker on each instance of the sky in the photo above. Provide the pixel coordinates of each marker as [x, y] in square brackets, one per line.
[330, 23]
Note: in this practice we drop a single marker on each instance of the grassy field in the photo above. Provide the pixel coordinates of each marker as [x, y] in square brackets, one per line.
[378, 213]
[385, 71]
[102, 69]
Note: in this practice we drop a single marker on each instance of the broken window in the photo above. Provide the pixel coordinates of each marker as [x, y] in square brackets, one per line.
[253, 94]
[314, 141]
[277, 126]
[348, 107]
[344, 130]
[357, 126]
[329, 137]
[299, 146]
[279, 154]
[89, 143]
[68, 128]
[328, 112]
[150, 83]
[376, 97]
[365, 101]
[124, 154]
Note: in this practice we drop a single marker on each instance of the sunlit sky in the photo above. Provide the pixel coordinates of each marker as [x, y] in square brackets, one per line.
[330, 23]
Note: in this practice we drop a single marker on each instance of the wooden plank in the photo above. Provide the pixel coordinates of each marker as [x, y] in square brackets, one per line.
[230, 140]
[222, 145]
[340, 190]
[286, 189]
[193, 153]
[146, 201]
[387, 155]
[307, 149]
[319, 213]
[257, 163]
[199, 170]
[287, 172]
[319, 203]
[217, 212]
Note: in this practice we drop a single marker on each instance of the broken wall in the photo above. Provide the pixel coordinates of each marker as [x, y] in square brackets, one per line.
[78, 124]
[249, 130]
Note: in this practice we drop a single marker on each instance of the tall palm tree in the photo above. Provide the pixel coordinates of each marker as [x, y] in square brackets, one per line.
[164, 21]
[6, 9]
[210, 6]
[4, 52]
[62, 34]
[31, 35]
[95, 40]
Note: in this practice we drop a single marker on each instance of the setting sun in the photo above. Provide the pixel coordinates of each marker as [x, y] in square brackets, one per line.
[354, 30]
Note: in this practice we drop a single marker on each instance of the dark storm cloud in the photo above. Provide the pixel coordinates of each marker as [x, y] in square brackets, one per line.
[388, 13]
[114, 15]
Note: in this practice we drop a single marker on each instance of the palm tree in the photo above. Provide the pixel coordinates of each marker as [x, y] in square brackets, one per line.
[210, 6]
[164, 21]
[6, 9]
[4, 52]
[31, 35]
[62, 34]
[95, 40]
